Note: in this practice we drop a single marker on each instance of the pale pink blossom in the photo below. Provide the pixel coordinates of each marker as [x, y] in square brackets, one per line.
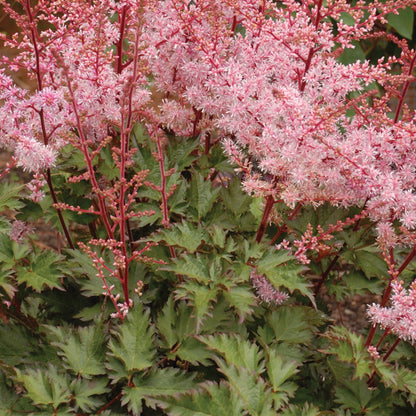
[266, 291]
[20, 230]
[400, 317]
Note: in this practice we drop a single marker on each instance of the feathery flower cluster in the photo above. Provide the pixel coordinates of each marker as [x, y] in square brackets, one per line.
[271, 83]
[400, 317]
[265, 290]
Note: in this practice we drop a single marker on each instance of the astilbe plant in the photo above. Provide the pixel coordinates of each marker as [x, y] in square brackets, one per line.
[217, 291]
[303, 128]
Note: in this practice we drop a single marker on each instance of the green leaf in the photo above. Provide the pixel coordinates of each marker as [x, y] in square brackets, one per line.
[84, 391]
[10, 252]
[281, 270]
[200, 297]
[234, 198]
[179, 152]
[43, 271]
[194, 267]
[184, 235]
[370, 263]
[15, 344]
[201, 195]
[132, 343]
[242, 299]
[82, 349]
[218, 235]
[358, 283]
[6, 283]
[279, 369]
[402, 22]
[252, 390]
[9, 196]
[214, 400]
[356, 396]
[12, 404]
[46, 387]
[272, 259]
[292, 324]
[347, 19]
[352, 55]
[164, 382]
[349, 347]
[236, 351]
[194, 352]
[307, 410]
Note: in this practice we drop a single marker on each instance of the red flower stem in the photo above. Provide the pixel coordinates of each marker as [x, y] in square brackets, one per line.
[119, 45]
[88, 160]
[165, 210]
[283, 228]
[392, 348]
[404, 90]
[58, 210]
[126, 127]
[114, 399]
[34, 36]
[386, 332]
[407, 260]
[266, 213]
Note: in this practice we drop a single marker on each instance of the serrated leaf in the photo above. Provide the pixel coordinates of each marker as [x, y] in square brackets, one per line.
[184, 235]
[238, 352]
[164, 382]
[218, 235]
[132, 343]
[15, 344]
[307, 410]
[12, 404]
[371, 264]
[46, 387]
[353, 54]
[279, 369]
[166, 324]
[291, 324]
[356, 396]
[84, 391]
[179, 152]
[9, 196]
[242, 299]
[387, 373]
[194, 267]
[200, 297]
[201, 195]
[194, 352]
[43, 271]
[215, 400]
[10, 251]
[6, 283]
[83, 349]
[252, 390]
[234, 198]
[402, 22]
[82, 266]
[272, 259]
[406, 380]
[349, 347]
[286, 274]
